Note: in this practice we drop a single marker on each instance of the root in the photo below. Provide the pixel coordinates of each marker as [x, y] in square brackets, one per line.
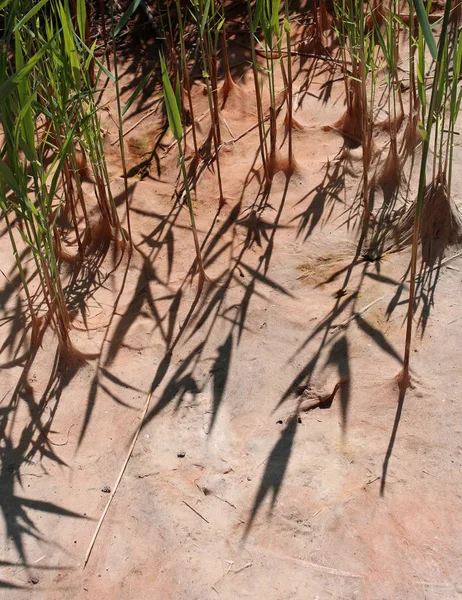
[38, 329]
[350, 125]
[279, 163]
[64, 220]
[71, 359]
[391, 172]
[227, 89]
[296, 126]
[440, 225]
[82, 164]
[99, 237]
[391, 125]
[228, 84]
[441, 221]
[62, 254]
[404, 381]
[411, 137]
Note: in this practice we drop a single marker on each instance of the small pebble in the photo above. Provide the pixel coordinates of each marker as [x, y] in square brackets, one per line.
[106, 489]
[34, 580]
[181, 454]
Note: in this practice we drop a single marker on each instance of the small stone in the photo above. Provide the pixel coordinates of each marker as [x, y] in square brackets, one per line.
[249, 478]
[34, 580]
[106, 489]
[181, 454]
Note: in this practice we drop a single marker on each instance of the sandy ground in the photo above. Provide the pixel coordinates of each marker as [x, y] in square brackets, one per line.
[234, 489]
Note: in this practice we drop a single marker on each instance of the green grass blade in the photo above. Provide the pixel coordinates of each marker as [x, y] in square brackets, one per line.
[425, 26]
[28, 152]
[33, 11]
[8, 176]
[62, 158]
[126, 16]
[275, 15]
[89, 57]
[69, 45]
[136, 92]
[12, 82]
[205, 15]
[178, 91]
[257, 15]
[173, 113]
[98, 62]
[82, 17]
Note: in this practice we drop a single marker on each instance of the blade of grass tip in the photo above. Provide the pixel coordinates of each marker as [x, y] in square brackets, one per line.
[425, 26]
[204, 17]
[97, 61]
[89, 57]
[69, 45]
[33, 11]
[11, 83]
[126, 16]
[142, 84]
[81, 16]
[173, 113]
[257, 16]
[275, 15]
[25, 96]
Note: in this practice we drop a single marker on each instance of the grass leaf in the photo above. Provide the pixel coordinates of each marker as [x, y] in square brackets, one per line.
[425, 26]
[81, 17]
[173, 113]
[136, 92]
[126, 16]
[12, 82]
[8, 176]
[33, 11]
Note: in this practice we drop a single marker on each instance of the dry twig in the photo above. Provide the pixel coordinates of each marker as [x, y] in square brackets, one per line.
[114, 489]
